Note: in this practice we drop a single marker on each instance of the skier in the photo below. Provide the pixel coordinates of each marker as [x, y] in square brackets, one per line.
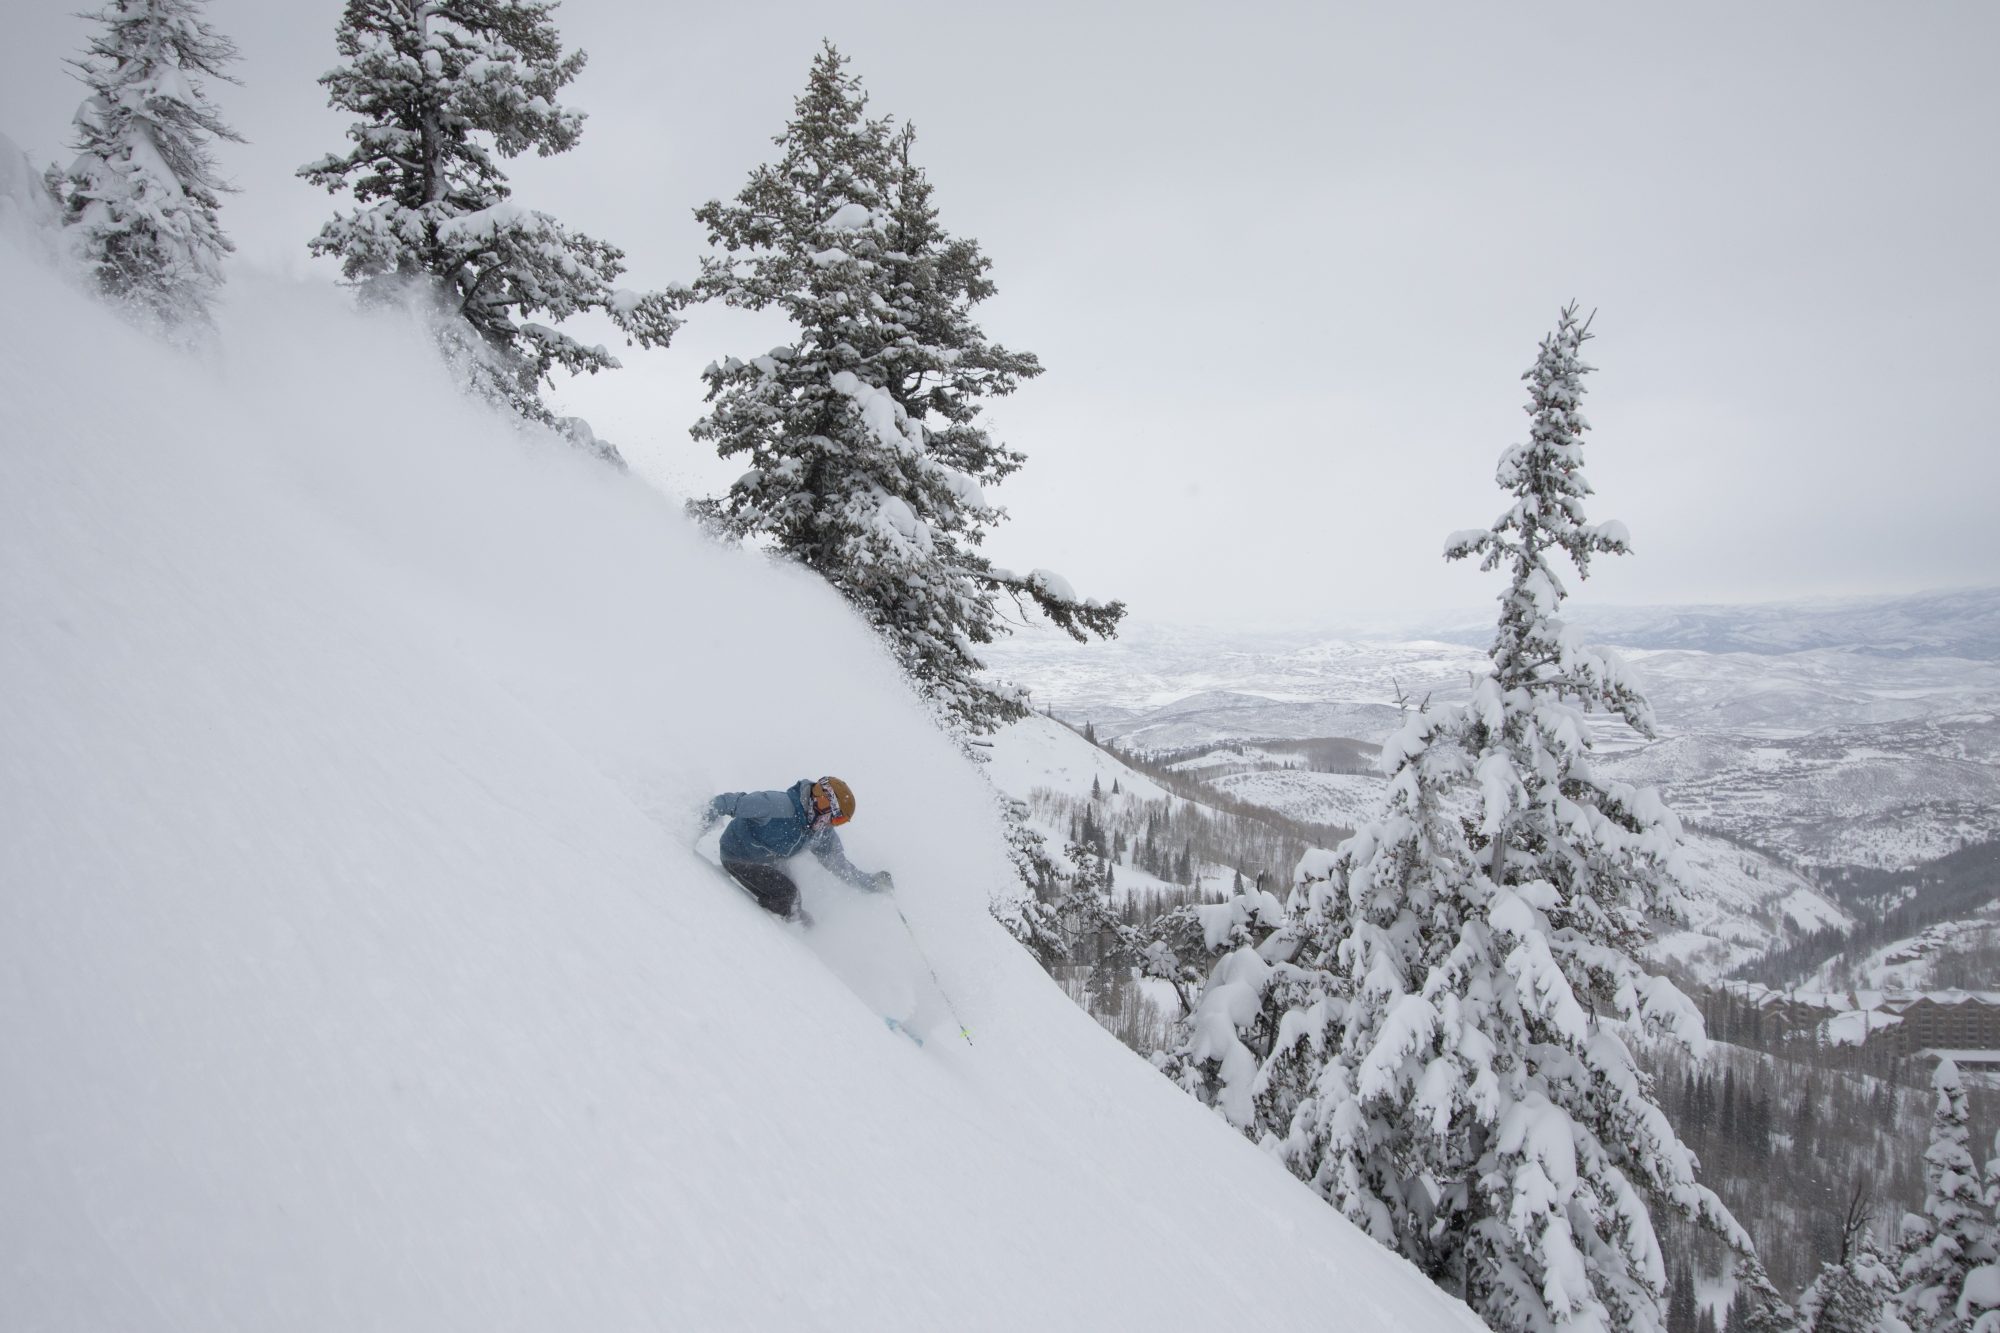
[768, 827]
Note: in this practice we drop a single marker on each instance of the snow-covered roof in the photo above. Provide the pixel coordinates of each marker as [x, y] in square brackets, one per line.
[1973, 1058]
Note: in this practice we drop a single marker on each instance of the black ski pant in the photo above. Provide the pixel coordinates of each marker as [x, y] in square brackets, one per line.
[771, 887]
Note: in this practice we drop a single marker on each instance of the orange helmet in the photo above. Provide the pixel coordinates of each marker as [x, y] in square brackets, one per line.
[833, 799]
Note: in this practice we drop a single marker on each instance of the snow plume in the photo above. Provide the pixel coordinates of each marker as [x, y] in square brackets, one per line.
[29, 214]
[356, 970]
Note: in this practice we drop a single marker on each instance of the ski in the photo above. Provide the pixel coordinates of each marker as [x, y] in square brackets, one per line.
[896, 1025]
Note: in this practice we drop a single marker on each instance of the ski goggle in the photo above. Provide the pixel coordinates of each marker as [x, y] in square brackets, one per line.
[826, 803]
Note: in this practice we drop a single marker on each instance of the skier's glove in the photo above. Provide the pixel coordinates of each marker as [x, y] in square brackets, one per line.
[879, 882]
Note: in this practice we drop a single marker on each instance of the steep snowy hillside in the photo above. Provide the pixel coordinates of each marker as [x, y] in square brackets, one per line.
[1912, 963]
[1039, 752]
[1044, 764]
[1741, 904]
[357, 967]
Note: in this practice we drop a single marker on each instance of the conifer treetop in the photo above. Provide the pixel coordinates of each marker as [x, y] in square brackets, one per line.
[144, 188]
[1954, 1236]
[442, 89]
[1545, 476]
[425, 75]
[867, 461]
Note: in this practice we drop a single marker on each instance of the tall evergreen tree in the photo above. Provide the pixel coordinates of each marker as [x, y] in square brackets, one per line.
[143, 191]
[1848, 1297]
[1955, 1232]
[1482, 1112]
[440, 87]
[868, 462]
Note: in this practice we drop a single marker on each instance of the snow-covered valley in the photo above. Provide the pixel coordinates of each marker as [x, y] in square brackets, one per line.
[1780, 761]
[1825, 756]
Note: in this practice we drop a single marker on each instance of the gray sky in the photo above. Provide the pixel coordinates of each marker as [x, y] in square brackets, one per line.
[1286, 265]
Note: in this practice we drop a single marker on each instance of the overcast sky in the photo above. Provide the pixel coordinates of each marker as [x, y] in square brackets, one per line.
[1285, 266]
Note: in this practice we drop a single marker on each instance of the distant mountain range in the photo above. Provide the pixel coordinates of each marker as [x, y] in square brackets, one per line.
[1783, 669]
[1963, 623]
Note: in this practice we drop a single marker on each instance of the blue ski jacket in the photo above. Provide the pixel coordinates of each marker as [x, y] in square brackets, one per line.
[767, 826]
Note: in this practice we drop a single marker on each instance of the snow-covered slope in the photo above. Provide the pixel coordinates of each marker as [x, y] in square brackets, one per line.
[356, 970]
[1911, 963]
[1740, 904]
[1037, 756]
[1039, 752]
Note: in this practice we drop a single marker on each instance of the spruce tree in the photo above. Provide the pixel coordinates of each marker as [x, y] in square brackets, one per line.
[1847, 1297]
[1955, 1232]
[867, 460]
[1853, 1293]
[441, 87]
[1482, 1112]
[1253, 1041]
[142, 194]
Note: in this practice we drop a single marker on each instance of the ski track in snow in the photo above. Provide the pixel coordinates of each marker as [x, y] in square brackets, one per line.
[356, 969]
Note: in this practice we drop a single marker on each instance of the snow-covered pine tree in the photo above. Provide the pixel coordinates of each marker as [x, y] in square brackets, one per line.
[1268, 1010]
[141, 196]
[868, 463]
[1979, 1301]
[440, 87]
[1389, 904]
[1848, 1297]
[1482, 1112]
[1955, 1232]
[1853, 1292]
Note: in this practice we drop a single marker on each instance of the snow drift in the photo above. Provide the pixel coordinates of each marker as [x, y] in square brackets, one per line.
[357, 969]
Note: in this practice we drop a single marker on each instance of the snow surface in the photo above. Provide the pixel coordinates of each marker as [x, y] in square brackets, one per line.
[1741, 904]
[1041, 752]
[356, 966]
